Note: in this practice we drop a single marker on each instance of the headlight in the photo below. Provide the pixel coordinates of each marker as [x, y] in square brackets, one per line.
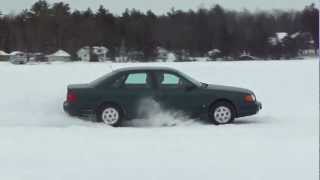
[253, 97]
[250, 98]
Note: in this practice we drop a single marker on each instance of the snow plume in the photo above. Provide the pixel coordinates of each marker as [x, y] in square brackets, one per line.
[155, 116]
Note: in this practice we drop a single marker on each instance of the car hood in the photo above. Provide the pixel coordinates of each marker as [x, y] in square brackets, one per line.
[229, 88]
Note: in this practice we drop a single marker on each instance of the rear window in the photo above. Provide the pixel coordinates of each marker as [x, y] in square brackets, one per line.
[102, 78]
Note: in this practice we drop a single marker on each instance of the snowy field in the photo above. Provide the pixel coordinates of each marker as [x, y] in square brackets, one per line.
[38, 141]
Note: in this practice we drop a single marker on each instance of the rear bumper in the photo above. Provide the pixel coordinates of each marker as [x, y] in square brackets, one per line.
[74, 110]
[68, 108]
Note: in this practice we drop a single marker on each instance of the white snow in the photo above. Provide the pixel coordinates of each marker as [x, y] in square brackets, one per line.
[13, 53]
[3, 53]
[281, 35]
[39, 141]
[60, 53]
[213, 52]
[295, 35]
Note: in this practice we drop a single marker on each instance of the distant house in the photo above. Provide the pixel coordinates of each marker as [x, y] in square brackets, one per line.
[182, 56]
[135, 55]
[281, 36]
[214, 54]
[84, 53]
[162, 53]
[277, 38]
[18, 57]
[307, 44]
[171, 57]
[290, 46]
[4, 56]
[13, 53]
[60, 55]
[95, 53]
[280, 46]
[39, 57]
[245, 56]
[100, 52]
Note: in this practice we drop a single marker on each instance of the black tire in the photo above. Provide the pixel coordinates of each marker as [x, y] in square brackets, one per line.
[227, 116]
[100, 114]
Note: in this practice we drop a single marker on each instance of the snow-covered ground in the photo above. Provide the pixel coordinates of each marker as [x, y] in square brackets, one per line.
[39, 141]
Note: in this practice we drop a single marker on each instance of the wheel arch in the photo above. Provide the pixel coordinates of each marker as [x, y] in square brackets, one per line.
[224, 100]
[112, 103]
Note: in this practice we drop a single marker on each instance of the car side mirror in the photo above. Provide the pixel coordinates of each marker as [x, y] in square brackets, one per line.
[189, 87]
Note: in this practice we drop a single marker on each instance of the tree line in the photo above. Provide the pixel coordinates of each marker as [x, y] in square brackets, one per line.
[47, 27]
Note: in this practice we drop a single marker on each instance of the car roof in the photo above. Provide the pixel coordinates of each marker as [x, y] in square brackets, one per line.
[146, 68]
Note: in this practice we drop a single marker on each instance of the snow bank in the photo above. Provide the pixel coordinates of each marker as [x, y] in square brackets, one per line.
[39, 141]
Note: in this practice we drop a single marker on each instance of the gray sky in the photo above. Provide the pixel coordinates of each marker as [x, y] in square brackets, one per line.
[161, 6]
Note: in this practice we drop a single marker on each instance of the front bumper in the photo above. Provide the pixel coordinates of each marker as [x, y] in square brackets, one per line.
[259, 106]
[249, 109]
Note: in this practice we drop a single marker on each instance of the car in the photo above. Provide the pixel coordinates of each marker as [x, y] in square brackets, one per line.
[18, 58]
[115, 97]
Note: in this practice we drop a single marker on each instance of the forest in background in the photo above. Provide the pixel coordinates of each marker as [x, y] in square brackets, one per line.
[48, 27]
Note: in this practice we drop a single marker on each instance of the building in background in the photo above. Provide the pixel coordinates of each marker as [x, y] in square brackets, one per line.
[162, 54]
[18, 57]
[95, 53]
[84, 54]
[4, 56]
[38, 57]
[290, 46]
[214, 54]
[60, 55]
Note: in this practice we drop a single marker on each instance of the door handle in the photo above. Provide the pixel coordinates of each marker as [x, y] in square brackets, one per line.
[158, 97]
[163, 97]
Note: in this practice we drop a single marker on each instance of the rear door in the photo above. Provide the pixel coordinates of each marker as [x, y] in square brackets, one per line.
[136, 87]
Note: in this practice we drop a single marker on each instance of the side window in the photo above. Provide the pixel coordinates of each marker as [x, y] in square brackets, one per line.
[136, 79]
[118, 82]
[168, 80]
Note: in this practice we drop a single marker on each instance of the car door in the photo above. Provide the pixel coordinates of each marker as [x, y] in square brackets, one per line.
[174, 93]
[135, 88]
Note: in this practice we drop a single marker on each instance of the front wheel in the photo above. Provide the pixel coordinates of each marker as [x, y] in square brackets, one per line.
[110, 115]
[222, 113]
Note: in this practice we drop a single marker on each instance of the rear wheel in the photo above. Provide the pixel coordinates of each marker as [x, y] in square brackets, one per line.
[222, 113]
[110, 115]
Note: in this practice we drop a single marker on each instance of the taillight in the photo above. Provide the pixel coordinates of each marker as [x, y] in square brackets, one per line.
[71, 96]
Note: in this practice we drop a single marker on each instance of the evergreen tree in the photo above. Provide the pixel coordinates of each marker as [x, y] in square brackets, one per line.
[310, 19]
[47, 27]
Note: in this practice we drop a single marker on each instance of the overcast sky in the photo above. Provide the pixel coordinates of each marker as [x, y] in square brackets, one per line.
[161, 6]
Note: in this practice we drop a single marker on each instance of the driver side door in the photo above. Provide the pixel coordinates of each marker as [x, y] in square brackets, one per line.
[173, 93]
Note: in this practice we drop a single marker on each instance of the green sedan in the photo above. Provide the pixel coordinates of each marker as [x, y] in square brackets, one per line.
[116, 97]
